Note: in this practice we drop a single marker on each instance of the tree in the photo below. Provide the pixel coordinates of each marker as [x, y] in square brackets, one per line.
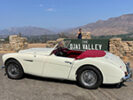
[19, 34]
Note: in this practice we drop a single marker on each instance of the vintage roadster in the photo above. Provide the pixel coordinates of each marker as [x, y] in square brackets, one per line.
[89, 68]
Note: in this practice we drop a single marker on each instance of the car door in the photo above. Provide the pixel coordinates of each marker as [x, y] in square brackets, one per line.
[33, 63]
[57, 67]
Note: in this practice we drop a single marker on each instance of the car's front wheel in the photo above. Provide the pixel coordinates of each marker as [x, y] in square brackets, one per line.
[14, 69]
[89, 77]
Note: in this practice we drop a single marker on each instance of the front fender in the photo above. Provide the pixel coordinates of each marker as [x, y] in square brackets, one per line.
[5, 57]
[110, 72]
[15, 56]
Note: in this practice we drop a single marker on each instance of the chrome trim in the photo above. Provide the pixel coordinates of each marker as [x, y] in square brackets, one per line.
[129, 72]
[2, 67]
[68, 62]
[28, 60]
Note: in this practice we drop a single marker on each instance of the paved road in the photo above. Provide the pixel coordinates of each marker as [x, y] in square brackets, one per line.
[34, 88]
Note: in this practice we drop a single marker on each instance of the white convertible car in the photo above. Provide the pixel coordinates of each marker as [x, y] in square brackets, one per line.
[89, 68]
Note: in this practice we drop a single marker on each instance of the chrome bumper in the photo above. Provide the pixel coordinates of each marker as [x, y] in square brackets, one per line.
[127, 77]
[1, 67]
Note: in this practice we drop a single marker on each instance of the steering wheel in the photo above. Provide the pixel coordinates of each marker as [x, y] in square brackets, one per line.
[59, 52]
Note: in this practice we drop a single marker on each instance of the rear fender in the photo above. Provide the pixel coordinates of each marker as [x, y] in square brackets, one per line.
[111, 73]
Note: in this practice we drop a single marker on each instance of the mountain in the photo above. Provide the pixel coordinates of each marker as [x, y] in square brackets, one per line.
[26, 31]
[112, 26]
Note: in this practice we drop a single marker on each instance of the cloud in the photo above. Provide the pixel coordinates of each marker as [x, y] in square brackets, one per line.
[41, 5]
[50, 9]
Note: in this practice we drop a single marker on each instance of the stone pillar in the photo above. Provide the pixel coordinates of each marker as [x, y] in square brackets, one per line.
[17, 43]
[121, 48]
[86, 35]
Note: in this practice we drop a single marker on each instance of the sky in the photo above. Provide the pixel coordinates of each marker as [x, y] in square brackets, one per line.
[59, 14]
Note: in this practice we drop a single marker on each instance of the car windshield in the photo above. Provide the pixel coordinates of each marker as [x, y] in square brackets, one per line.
[60, 45]
[61, 50]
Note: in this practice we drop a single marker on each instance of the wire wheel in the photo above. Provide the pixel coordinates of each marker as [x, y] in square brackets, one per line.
[88, 78]
[13, 70]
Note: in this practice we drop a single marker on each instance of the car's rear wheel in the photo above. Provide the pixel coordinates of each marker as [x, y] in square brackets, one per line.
[14, 69]
[89, 77]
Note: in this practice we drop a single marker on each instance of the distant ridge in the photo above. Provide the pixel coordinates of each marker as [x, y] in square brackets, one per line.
[113, 26]
[26, 31]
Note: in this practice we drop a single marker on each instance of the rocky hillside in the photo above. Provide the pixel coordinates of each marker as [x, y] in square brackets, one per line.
[26, 31]
[112, 26]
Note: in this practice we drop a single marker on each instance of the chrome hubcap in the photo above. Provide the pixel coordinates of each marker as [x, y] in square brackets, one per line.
[88, 78]
[13, 70]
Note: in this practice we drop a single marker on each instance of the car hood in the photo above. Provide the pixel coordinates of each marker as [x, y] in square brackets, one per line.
[44, 51]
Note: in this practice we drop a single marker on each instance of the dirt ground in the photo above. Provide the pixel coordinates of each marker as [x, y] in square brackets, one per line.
[35, 88]
[36, 45]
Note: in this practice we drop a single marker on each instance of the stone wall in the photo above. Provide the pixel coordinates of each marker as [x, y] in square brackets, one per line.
[86, 35]
[121, 48]
[116, 45]
[5, 47]
[16, 43]
[52, 43]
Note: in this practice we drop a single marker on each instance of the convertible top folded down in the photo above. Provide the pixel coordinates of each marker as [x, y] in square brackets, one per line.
[85, 54]
[91, 53]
